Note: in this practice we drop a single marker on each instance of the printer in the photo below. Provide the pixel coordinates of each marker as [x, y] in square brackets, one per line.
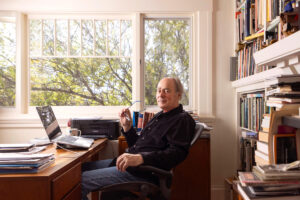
[97, 128]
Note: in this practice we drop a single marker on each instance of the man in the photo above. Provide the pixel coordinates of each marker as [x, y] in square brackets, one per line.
[164, 142]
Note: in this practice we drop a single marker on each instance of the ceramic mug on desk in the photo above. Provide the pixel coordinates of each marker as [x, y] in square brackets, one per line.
[75, 132]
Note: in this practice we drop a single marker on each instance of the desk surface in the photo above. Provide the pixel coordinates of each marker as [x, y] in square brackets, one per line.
[53, 180]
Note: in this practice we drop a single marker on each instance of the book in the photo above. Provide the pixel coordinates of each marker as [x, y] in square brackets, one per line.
[274, 190]
[147, 117]
[263, 136]
[271, 91]
[247, 195]
[292, 168]
[29, 170]
[284, 99]
[282, 106]
[262, 147]
[260, 161]
[24, 163]
[135, 118]
[140, 122]
[283, 79]
[265, 122]
[276, 175]
[250, 179]
[262, 155]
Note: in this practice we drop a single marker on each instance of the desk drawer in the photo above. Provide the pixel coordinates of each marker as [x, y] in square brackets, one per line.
[75, 194]
[64, 183]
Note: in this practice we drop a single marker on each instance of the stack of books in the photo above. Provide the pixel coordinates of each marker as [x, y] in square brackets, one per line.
[271, 182]
[276, 142]
[283, 92]
[23, 163]
[140, 120]
[262, 145]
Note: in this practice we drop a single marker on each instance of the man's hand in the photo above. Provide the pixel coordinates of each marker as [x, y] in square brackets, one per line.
[126, 159]
[125, 119]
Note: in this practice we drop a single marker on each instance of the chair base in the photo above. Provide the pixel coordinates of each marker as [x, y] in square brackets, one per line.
[121, 191]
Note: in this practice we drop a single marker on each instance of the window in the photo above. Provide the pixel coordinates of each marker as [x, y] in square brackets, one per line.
[167, 53]
[80, 62]
[7, 62]
[94, 60]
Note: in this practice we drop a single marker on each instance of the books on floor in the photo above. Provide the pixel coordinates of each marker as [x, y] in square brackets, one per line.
[250, 179]
[24, 163]
[271, 182]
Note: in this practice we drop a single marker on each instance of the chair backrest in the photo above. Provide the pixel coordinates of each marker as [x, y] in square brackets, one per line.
[199, 128]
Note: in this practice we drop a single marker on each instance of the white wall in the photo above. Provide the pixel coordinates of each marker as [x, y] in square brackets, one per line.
[223, 140]
[105, 5]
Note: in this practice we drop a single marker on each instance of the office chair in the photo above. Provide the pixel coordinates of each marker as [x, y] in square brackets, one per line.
[142, 190]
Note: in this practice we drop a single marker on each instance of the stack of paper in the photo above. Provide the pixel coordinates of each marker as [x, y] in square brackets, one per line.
[22, 163]
[15, 147]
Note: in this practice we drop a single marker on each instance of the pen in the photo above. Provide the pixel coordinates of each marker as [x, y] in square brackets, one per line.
[126, 116]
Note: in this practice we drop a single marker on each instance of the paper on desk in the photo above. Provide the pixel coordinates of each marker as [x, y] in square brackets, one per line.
[20, 145]
[19, 156]
[34, 150]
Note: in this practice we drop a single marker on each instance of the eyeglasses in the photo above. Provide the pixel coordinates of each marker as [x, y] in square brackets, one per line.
[127, 117]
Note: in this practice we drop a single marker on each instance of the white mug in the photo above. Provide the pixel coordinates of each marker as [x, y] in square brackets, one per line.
[75, 132]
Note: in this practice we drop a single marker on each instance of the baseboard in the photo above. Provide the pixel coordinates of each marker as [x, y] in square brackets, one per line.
[218, 192]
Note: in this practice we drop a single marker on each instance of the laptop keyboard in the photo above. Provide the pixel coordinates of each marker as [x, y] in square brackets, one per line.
[67, 138]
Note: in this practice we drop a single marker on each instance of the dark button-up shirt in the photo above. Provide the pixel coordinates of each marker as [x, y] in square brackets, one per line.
[165, 140]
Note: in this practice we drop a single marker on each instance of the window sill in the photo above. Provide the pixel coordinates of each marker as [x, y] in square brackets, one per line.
[63, 114]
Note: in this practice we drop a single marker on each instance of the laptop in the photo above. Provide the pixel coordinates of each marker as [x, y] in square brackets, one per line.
[54, 132]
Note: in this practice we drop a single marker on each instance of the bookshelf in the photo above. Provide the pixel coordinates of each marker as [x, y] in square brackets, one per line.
[260, 24]
[263, 52]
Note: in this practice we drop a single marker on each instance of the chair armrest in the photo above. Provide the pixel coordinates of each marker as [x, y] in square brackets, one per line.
[156, 171]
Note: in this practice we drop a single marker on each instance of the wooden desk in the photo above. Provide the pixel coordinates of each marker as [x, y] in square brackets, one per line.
[59, 181]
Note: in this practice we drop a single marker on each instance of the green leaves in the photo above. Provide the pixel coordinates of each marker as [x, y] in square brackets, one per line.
[166, 54]
[80, 82]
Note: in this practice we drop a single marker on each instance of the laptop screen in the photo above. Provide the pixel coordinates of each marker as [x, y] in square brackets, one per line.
[49, 121]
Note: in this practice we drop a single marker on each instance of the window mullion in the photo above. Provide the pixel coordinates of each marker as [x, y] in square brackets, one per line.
[42, 37]
[120, 30]
[80, 37]
[68, 42]
[54, 30]
[94, 40]
[107, 37]
[22, 80]
[137, 64]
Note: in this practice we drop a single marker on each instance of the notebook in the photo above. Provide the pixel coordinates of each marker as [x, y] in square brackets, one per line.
[54, 132]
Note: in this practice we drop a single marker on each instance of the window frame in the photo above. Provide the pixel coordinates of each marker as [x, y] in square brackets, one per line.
[23, 76]
[9, 17]
[188, 17]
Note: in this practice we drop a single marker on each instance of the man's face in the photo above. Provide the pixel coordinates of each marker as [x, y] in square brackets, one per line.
[166, 95]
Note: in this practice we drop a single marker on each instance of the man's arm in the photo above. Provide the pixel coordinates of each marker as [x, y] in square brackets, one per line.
[178, 146]
[127, 129]
[131, 136]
